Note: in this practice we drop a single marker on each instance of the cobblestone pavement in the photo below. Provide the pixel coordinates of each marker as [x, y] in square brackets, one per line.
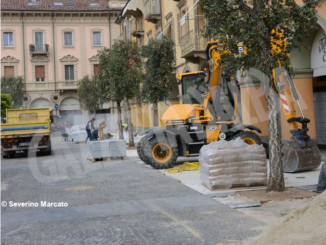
[116, 202]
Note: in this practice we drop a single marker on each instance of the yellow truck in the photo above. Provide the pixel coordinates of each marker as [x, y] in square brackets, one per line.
[26, 129]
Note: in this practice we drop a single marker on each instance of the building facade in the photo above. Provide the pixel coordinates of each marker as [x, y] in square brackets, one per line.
[53, 44]
[183, 21]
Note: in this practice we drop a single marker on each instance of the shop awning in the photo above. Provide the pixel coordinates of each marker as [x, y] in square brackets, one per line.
[69, 104]
[132, 7]
[318, 54]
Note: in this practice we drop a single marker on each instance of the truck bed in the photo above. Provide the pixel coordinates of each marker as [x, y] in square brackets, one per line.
[26, 122]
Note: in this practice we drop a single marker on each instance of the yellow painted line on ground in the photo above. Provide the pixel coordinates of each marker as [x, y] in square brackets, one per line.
[79, 188]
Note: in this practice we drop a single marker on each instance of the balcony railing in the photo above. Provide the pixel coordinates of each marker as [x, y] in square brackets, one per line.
[191, 43]
[40, 86]
[136, 27]
[152, 10]
[38, 49]
[67, 85]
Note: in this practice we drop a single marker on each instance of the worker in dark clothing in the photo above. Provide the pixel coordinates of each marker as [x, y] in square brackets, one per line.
[94, 135]
[89, 127]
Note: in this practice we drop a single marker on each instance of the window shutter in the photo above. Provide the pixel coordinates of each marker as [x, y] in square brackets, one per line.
[95, 69]
[196, 20]
[179, 35]
[172, 30]
[9, 71]
[39, 73]
[72, 72]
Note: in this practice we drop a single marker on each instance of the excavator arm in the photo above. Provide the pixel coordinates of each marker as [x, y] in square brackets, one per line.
[300, 153]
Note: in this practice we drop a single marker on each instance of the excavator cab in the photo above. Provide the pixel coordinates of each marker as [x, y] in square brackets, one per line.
[193, 87]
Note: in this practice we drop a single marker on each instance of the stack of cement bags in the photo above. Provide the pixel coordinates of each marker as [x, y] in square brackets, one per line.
[227, 164]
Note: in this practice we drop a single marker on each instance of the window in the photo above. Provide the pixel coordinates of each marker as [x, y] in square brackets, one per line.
[9, 71]
[39, 41]
[97, 38]
[96, 69]
[40, 73]
[8, 39]
[69, 72]
[158, 34]
[70, 4]
[94, 5]
[67, 39]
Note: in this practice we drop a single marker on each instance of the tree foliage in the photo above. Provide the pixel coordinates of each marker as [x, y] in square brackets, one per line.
[120, 77]
[159, 57]
[269, 31]
[120, 70]
[5, 104]
[14, 86]
[89, 93]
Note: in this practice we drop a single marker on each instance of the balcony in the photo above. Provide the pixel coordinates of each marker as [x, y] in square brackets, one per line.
[152, 10]
[193, 45]
[39, 49]
[67, 85]
[136, 28]
[40, 86]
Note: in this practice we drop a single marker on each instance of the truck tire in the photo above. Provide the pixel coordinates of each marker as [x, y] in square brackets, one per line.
[49, 148]
[161, 151]
[140, 150]
[46, 151]
[8, 154]
[249, 137]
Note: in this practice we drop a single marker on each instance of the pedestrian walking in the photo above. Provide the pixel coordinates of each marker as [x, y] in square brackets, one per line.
[89, 127]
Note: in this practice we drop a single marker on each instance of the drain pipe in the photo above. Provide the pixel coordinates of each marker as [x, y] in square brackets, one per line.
[54, 58]
[110, 27]
[23, 28]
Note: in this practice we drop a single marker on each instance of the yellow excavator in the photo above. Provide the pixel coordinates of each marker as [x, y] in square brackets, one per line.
[210, 111]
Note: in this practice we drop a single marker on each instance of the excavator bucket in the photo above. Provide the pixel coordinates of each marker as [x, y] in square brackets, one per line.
[300, 153]
[297, 159]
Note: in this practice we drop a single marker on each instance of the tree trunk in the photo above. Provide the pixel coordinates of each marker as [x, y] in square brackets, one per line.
[276, 177]
[130, 126]
[155, 114]
[120, 120]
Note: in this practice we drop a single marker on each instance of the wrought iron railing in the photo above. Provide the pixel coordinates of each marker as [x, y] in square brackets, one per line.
[192, 42]
[39, 48]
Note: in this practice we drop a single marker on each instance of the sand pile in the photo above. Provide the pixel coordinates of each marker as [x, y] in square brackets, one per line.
[301, 227]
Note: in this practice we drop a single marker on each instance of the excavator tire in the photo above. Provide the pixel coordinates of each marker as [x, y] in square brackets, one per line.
[297, 159]
[161, 151]
[140, 151]
[249, 137]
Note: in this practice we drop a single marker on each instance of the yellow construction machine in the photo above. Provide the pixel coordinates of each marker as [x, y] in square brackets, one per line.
[210, 111]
